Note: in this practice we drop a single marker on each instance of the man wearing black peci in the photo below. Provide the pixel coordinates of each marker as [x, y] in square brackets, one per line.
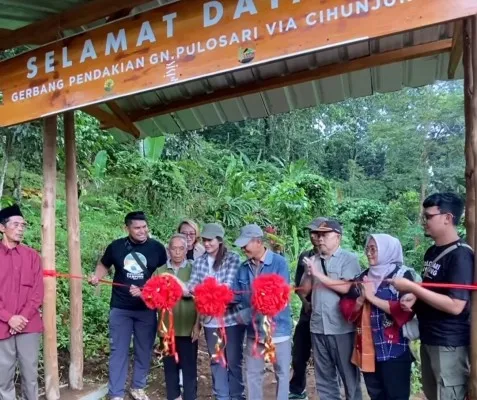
[135, 258]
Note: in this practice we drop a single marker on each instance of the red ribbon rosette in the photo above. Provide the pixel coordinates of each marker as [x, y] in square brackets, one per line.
[270, 295]
[212, 299]
[162, 293]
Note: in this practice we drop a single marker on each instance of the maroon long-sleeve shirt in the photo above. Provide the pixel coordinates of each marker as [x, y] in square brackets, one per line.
[21, 288]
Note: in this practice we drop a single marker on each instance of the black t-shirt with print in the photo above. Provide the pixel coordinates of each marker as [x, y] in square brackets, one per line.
[127, 271]
[436, 327]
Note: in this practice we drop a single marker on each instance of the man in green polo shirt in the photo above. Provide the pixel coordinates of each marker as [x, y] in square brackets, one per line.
[184, 324]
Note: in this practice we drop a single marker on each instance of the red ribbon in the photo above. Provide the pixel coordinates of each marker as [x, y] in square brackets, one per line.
[53, 274]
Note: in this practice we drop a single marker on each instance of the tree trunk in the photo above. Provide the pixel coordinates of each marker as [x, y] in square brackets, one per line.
[74, 253]
[268, 135]
[17, 181]
[10, 136]
[48, 220]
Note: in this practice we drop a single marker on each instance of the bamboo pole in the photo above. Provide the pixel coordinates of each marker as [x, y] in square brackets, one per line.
[50, 355]
[74, 253]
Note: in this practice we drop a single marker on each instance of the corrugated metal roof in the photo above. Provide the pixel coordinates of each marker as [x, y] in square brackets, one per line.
[388, 78]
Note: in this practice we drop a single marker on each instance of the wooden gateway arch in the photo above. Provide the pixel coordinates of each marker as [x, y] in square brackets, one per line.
[146, 68]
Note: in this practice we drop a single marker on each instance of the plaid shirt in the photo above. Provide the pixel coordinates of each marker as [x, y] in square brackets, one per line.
[388, 339]
[224, 274]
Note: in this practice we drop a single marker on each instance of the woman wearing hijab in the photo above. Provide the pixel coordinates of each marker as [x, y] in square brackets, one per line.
[191, 231]
[381, 350]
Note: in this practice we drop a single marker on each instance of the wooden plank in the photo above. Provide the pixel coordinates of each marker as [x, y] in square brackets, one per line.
[327, 71]
[122, 116]
[184, 41]
[457, 48]
[74, 255]
[120, 14]
[48, 223]
[107, 119]
[50, 29]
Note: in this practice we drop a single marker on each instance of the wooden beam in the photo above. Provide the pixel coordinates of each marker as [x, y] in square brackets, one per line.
[124, 118]
[48, 223]
[457, 48]
[120, 14]
[74, 254]
[374, 60]
[50, 29]
[106, 119]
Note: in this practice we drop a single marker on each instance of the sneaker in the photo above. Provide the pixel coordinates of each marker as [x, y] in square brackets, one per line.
[116, 398]
[301, 396]
[138, 394]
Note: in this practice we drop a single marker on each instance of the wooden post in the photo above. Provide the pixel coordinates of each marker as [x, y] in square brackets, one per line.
[470, 67]
[48, 220]
[469, 155]
[74, 253]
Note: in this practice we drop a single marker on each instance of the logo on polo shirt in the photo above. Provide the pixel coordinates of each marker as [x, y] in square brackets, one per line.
[134, 270]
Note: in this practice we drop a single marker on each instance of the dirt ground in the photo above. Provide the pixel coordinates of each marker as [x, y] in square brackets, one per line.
[95, 372]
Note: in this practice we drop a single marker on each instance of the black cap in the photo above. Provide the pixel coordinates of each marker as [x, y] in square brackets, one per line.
[330, 225]
[11, 211]
[315, 224]
[135, 215]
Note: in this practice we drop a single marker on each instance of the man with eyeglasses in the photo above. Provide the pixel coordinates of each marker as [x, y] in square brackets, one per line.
[21, 296]
[332, 336]
[443, 314]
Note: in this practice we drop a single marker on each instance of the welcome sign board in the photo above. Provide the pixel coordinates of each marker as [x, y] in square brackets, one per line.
[194, 39]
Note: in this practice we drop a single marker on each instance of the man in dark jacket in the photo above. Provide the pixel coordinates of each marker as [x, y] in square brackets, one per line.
[301, 338]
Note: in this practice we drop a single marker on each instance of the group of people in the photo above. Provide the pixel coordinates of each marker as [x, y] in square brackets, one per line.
[355, 322]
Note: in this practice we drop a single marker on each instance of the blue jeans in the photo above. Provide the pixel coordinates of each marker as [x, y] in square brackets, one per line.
[123, 324]
[255, 367]
[227, 381]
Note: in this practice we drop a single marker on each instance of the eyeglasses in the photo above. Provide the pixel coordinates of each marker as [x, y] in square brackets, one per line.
[15, 225]
[426, 217]
[188, 234]
[370, 250]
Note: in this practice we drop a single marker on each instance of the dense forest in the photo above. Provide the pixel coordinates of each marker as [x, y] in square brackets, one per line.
[368, 162]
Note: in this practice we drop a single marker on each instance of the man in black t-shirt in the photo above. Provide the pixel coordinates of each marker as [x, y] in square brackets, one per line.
[302, 338]
[443, 314]
[135, 258]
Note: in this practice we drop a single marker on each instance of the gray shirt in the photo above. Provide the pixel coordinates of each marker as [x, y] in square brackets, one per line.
[326, 317]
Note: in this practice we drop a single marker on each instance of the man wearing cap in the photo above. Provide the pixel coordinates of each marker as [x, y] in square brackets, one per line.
[261, 260]
[21, 295]
[301, 338]
[135, 258]
[331, 335]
